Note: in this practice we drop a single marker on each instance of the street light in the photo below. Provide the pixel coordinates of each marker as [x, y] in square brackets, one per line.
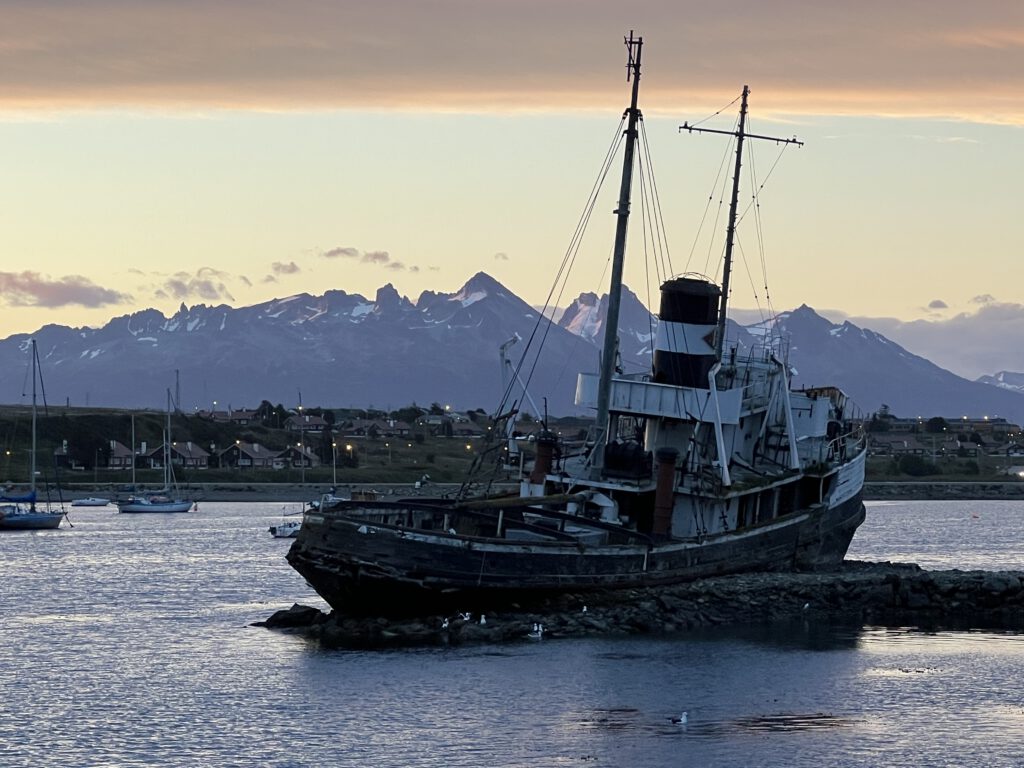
[334, 462]
[388, 446]
[348, 449]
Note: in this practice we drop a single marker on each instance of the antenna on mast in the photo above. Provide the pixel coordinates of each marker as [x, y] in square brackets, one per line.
[740, 134]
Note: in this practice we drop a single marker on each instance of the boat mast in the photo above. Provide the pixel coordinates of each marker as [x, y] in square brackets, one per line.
[32, 456]
[133, 451]
[167, 444]
[730, 236]
[611, 329]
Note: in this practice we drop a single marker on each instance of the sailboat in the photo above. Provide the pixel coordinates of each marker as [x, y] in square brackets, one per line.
[20, 512]
[707, 464]
[166, 499]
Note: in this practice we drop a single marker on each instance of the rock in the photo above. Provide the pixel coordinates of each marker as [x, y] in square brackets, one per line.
[886, 593]
[296, 616]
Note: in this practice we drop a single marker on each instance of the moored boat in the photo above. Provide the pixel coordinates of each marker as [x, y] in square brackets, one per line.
[710, 463]
[166, 499]
[23, 512]
[286, 530]
[90, 501]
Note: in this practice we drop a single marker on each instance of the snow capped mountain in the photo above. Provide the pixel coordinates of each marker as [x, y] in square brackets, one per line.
[874, 370]
[337, 349]
[342, 349]
[1005, 380]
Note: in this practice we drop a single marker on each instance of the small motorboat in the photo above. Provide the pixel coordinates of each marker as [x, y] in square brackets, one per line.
[288, 530]
[91, 501]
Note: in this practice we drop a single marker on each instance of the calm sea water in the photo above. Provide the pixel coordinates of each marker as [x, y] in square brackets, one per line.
[125, 642]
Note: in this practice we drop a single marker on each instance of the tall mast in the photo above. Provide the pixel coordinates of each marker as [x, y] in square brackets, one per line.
[611, 329]
[32, 456]
[730, 236]
[167, 444]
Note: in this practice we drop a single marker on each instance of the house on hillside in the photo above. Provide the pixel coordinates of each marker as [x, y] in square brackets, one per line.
[375, 428]
[189, 455]
[121, 456]
[243, 418]
[299, 456]
[307, 424]
[251, 456]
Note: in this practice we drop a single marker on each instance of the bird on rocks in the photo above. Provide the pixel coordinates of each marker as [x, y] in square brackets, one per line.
[483, 619]
[537, 633]
[681, 720]
[444, 624]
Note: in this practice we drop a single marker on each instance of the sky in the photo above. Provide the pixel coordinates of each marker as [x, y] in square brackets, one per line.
[156, 153]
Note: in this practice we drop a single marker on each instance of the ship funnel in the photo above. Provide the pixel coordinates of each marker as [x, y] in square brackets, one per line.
[684, 351]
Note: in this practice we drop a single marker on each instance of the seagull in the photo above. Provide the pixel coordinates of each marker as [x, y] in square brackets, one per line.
[483, 619]
[806, 606]
[584, 609]
[681, 720]
[444, 624]
[537, 633]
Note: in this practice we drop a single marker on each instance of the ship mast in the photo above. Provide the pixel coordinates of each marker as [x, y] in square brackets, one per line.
[32, 455]
[740, 135]
[611, 327]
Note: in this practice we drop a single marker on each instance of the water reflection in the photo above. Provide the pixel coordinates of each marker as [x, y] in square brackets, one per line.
[126, 641]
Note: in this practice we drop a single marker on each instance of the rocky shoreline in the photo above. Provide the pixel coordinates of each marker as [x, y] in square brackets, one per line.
[884, 594]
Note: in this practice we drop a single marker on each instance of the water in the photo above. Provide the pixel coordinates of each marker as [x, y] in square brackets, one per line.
[125, 642]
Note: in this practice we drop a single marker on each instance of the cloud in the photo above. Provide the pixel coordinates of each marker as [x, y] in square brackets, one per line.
[938, 304]
[31, 289]
[500, 256]
[414, 269]
[334, 253]
[958, 60]
[279, 268]
[396, 265]
[366, 257]
[376, 257]
[969, 344]
[203, 285]
[985, 298]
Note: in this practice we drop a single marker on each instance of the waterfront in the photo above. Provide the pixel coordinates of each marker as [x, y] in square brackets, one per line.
[126, 641]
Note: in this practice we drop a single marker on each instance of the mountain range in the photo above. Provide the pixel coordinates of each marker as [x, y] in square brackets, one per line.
[341, 349]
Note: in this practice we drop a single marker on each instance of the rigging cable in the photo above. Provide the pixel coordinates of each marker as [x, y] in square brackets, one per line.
[568, 260]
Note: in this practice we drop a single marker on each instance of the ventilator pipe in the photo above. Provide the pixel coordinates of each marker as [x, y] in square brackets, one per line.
[664, 491]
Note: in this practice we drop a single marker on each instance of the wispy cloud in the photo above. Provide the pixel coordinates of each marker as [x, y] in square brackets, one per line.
[207, 284]
[968, 343]
[336, 253]
[380, 258]
[501, 256]
[954, 59]
[938, 304]
[280, 268]
[31, 289]
[985, 298]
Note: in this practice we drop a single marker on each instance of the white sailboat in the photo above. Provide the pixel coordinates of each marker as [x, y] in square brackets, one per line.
[18, 512]
[166, 499]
